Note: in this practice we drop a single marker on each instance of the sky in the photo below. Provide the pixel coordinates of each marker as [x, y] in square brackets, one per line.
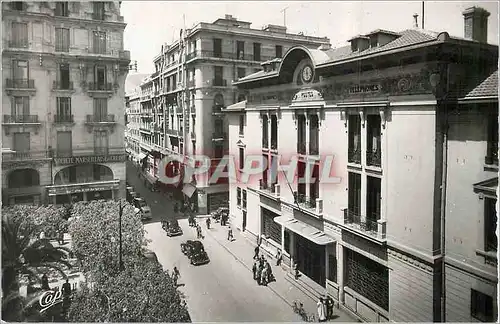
[153, 23]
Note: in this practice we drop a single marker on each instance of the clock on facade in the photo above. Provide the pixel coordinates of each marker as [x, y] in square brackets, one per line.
[307, 74]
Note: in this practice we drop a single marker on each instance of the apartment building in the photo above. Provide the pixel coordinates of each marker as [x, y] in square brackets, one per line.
[63, 69]
[133, 116]
[406, 229]
[181, 104]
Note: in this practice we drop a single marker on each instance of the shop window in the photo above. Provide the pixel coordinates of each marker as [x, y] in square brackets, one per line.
[481, 307]
[368, 278]
[270, 228]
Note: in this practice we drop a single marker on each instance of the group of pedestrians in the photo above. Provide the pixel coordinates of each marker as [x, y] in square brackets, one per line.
[262, 271]
[325, 308]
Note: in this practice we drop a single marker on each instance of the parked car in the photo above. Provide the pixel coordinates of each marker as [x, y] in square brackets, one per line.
[128, 190]
[195, 251]
[145, 209]
[172, 227]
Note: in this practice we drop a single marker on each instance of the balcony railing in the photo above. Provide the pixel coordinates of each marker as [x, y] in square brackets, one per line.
[368, 224]
[274, 144]
[301, 148]
[303, 200]
[313, 148]
[20, 84]
[228, 55]
[101, 119]
[96, 86]
[354, 156]
[98, 15]
[93, 150]
[20, 119]
[218, 135]
[62, 85]
[59, 119]
[19, 43]
[219, 82]
[22, 156]
[374, 158]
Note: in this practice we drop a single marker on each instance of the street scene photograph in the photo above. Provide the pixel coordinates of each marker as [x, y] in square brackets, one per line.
[260, 161]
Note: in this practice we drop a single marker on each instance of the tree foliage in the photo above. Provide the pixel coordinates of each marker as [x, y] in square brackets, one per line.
[143, 292]
[94, 231]
[48, 219]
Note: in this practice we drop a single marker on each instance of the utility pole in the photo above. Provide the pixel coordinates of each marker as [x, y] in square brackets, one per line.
[284, 15]
[423, 14]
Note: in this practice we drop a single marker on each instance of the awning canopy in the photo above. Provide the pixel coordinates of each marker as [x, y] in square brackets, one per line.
[307, 231]
[487, 187]
[141, 156]
[188, 190]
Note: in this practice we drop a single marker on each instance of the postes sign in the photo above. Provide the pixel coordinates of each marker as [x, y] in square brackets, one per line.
[90, 159]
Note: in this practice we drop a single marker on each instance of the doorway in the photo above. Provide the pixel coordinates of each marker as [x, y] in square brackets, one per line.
[244, 225]
[311, 259]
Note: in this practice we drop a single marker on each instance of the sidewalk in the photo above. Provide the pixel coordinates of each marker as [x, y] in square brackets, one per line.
[242, 250]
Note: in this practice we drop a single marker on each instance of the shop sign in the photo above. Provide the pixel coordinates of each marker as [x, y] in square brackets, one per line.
[364, 88]
[83, 188]
[307, 95]
[90, 159]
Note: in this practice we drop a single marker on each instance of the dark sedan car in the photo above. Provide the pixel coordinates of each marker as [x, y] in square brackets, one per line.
[172, 227]
[195, 252]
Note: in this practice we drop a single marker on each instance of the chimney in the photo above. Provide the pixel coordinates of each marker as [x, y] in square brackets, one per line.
[325, 46]
[415, 22]
[476, 24]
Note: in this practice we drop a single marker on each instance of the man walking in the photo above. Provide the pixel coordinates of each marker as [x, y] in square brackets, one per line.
[256, 256]
[230, 234]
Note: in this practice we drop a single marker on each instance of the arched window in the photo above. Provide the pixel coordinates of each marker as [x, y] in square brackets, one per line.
[23, 178]
[83, 173]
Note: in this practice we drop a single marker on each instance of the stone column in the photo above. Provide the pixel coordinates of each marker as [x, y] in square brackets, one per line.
[340, 272]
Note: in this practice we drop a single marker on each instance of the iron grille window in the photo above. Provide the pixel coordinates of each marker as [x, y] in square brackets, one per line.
[274, 132]
[368, 278]
[354, 126]
[265, 132]
[270, 228]
[64, 108]
[481, 307]
[62, 40]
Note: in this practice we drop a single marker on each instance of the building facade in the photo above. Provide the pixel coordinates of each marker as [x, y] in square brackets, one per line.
[181, 103]
[64, 68]
[404, 126]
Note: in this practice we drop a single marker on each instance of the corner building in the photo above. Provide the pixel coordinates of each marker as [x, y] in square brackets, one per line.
[404, 114]
[63, 73]
[181, 101]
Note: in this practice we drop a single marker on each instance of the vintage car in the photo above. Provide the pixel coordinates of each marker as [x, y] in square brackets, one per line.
[195, 251]
[145, 209]
[220, 212]
[172, 227]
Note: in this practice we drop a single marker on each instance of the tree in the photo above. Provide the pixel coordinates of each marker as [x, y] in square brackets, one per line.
[24, 255]
[143, 292]
[95, 236]
[48, 219]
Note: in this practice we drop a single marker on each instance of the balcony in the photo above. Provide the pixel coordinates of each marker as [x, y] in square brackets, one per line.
[124, 55]
[219, 82]
[20, 119]
[372, 227]
[63, 119]
[272, 190]
[218, 136]
[301, 148]
[354, 156]
[374, 158]
[20, 86]
[100, 87]
[64, 86]
[17, 156]
[98, 119]
[98, 15]
[18, 43]
[311, 204]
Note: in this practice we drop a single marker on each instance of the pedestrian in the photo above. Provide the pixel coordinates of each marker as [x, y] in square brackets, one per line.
[198, 231]
[256, 250]
[254, 270]
[45, 282]
[208, 222]
[329, 307]
[176, 272]
[279, 258]
[321, 310]
[42, 235]
[269, 271]
[230, 234]
[263, 279]
[259, 274]
[60, 237]
[296, 270]
[66, 291]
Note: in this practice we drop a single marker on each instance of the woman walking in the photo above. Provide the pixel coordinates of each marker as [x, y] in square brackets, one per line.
[321, 310]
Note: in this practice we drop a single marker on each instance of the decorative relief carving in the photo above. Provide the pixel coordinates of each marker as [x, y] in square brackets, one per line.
[411, 261]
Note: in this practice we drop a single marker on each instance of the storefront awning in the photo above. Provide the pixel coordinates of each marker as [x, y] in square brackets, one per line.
[487, 187]
[307, 231]
[188, 190]
[141, 156]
